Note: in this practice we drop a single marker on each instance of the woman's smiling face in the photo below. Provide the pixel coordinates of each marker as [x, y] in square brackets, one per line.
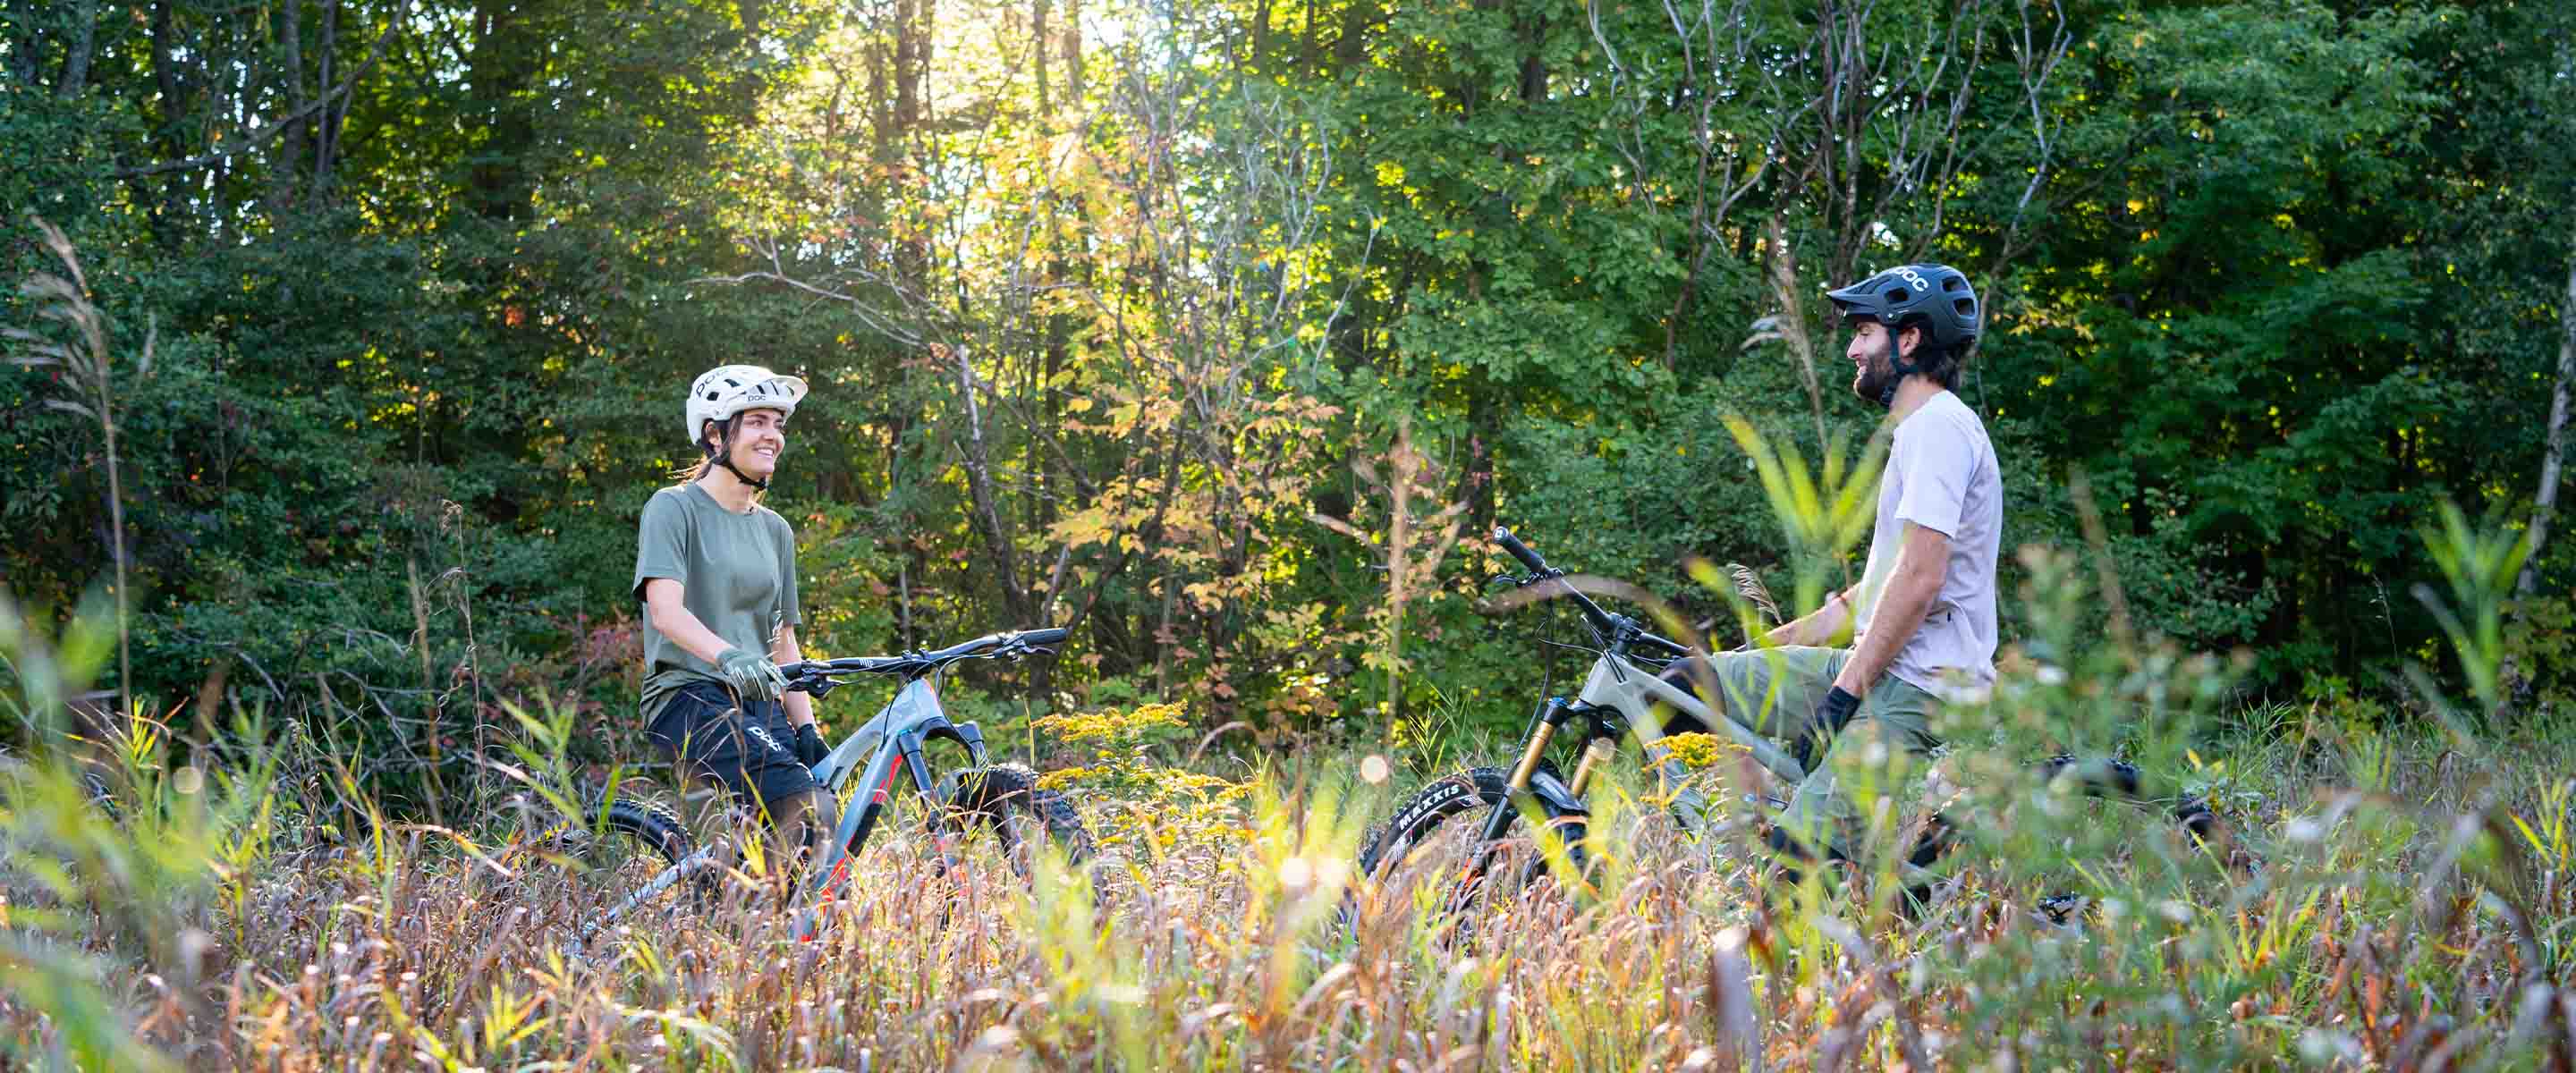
[759, 437]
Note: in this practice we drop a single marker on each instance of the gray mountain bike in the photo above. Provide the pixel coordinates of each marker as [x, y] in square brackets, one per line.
[1627, 697]
[647, 858]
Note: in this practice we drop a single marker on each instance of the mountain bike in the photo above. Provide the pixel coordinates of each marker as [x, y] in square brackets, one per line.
[1626, 696]
[644, 856]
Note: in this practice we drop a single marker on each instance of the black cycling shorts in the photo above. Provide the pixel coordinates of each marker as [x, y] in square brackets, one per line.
[751, 751]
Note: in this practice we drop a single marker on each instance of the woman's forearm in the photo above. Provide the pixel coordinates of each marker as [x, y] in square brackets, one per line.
[783, 651]
[671, 618]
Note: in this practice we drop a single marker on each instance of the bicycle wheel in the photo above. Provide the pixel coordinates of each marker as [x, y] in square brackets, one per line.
[1004, 802]
[642, 864]
[1423, 822]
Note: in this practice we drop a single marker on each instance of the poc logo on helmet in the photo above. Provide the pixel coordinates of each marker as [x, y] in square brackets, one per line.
[1913, 280]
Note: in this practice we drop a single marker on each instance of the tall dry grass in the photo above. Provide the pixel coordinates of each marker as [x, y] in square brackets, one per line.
[228, 922]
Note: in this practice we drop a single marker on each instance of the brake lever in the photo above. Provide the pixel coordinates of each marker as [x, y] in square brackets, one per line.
[1523, 581]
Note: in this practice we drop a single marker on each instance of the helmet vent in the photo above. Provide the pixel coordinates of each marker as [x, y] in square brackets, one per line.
[1953, 283]
[1899, 294]
[1966, 307]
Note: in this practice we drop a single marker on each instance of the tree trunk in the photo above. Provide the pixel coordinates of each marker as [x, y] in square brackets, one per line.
[915, 22]
[2547, 501]
[326, 127]
[1070, 39]
[76, 60]
[1038, 39]
[290, 35]
[988, 509]
[22, 47]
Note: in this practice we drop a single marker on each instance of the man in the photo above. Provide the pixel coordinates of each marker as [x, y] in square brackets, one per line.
[1923, 615]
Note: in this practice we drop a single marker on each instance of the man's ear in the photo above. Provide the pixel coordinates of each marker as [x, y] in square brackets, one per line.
[1907, 340]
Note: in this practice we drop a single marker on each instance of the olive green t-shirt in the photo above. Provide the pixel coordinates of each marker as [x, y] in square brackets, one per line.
[737, 573]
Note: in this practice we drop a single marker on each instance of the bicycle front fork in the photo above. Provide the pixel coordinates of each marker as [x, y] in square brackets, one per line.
[1534, 787]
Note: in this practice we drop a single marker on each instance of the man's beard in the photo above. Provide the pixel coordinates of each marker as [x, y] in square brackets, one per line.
[1871, 384]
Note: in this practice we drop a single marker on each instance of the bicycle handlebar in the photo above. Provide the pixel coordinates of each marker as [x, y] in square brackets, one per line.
[819, 675]
[1602, 621]
[1518, 550]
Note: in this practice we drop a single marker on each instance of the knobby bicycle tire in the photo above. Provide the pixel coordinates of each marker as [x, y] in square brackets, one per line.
[641, 841]
[1005, 801]
[1473, 793]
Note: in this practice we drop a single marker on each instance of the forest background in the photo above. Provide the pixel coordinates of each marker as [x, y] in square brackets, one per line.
[1218, 331]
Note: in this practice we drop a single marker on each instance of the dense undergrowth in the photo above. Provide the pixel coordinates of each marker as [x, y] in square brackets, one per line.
[2390, 898]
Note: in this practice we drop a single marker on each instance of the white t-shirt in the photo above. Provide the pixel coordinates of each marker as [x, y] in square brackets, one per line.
[1941, 475]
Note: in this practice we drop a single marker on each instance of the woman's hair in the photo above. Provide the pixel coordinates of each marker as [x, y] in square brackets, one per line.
[709, 448]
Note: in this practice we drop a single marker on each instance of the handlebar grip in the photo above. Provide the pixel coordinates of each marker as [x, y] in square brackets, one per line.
[1046, 637]
[1518, 550]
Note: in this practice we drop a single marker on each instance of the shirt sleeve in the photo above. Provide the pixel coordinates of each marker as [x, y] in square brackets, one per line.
[789, 612]
[1935, 468]
[661, 543]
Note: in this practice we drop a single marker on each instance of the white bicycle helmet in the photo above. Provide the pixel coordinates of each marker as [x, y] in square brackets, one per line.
[726, 390]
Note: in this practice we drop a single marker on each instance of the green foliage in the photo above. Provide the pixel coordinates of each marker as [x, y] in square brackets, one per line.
[116, 858]
[1104, 309]
[2540, 649]
[2479, 563]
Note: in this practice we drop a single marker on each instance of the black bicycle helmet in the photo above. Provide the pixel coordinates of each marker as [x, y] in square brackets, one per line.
[1935, 298]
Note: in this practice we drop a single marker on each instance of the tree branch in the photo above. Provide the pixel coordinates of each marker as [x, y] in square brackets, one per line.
[282, 123]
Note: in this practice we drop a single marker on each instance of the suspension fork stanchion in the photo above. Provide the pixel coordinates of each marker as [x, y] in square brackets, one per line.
[1550, 717]
[1600, 745]
[943, 841]
[910, 746]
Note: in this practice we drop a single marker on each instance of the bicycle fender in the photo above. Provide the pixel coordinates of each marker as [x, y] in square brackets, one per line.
[1554, 796]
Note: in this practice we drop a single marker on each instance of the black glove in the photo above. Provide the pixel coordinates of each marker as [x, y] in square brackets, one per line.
[810, 746]
[1831, 716]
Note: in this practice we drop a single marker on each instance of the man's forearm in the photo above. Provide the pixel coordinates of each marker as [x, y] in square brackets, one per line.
[1816, 627]
[1901, 608]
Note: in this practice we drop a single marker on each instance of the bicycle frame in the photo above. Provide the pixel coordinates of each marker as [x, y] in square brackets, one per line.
[1633, 692]
[1619, 699]
[890, 744]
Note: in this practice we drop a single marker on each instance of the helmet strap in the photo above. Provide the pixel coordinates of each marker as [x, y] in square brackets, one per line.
[1898, 368]
[722, 452]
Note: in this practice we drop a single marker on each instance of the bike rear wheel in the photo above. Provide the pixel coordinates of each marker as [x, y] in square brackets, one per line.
[635, 866]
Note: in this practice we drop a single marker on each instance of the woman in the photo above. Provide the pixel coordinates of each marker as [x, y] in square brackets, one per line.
[716, 572]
